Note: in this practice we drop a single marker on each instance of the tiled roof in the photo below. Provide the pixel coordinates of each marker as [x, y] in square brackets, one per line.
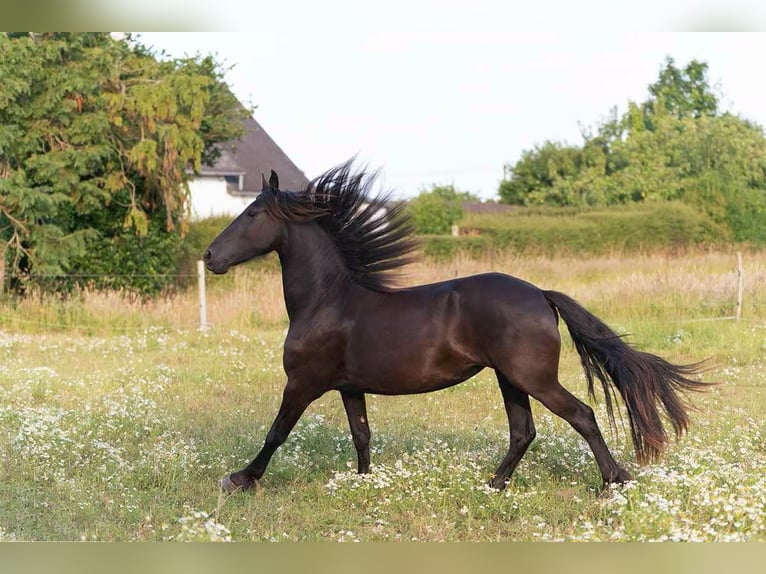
[255, 154]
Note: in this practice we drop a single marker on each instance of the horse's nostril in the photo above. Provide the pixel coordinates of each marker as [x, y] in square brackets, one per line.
[207, 256]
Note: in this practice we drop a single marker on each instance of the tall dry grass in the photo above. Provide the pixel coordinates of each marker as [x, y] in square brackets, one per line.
[670, 286]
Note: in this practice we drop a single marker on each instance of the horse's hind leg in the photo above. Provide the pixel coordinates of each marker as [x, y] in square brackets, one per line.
[521, 429]
[534, 369]
[356, 410]
[563, 403]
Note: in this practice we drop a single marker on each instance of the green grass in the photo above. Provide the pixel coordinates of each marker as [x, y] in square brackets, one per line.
[123, 435]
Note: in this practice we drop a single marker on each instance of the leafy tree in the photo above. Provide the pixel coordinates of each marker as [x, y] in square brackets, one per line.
[684, 92]
[534, 177]
[97, 139]
[435, 211]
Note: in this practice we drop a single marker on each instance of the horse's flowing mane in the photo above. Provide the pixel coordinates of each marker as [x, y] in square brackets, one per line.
[374, 236]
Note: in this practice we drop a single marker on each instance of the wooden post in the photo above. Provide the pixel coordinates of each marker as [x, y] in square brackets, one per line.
[740, 284]
[202, 296]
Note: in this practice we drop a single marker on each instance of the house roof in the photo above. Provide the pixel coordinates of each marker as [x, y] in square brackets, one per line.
[255, 153]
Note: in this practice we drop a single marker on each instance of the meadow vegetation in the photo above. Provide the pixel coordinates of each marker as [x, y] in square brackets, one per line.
[118, 417]
[547, 231]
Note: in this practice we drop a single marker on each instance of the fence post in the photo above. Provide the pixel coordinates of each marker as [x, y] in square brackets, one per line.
[740, 284]
[202, 296]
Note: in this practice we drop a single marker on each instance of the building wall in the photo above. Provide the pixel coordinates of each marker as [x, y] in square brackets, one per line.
[209, 197]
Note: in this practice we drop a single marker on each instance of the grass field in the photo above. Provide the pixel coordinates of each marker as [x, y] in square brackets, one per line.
[118, 418]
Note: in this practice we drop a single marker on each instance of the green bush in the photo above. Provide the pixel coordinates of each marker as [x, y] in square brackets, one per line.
[746, 214]
[120, 259]
[435, 211]
[444, 247]
[631, 228]
[111, 256]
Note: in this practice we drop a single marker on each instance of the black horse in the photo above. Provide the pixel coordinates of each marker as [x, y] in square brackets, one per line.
[352, 331]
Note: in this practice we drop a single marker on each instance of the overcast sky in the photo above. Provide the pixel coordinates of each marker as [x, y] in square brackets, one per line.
[433, 95]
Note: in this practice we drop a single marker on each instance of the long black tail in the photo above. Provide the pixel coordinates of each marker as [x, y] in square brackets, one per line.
[644, 381]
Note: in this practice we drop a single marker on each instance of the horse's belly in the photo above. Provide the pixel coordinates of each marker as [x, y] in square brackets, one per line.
[414, 344]
[411, 371]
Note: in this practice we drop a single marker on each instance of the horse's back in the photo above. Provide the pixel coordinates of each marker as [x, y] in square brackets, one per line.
[487, 301]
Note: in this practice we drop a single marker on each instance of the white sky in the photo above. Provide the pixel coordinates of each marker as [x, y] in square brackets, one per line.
[434, 94]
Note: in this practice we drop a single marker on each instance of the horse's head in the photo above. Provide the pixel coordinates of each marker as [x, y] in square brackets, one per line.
[254, 232]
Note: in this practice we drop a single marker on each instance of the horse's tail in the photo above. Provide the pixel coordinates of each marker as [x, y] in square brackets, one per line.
[643, 380]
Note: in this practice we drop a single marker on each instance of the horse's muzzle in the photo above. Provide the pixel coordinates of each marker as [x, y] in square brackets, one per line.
[218, 267]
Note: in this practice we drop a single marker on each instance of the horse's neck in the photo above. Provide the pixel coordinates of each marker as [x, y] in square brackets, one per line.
[313, 270]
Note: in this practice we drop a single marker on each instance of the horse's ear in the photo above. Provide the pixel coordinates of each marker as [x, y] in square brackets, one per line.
[274, 180]
[264, 183]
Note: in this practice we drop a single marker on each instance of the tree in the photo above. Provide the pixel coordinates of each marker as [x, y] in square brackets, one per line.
[534, 177]
[97, 138]
[685, 92]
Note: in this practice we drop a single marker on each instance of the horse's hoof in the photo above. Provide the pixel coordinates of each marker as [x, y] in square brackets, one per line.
[621, 477]
[228, 486]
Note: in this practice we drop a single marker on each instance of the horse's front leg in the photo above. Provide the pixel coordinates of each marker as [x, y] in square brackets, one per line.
[295, 399]
[356, 410]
